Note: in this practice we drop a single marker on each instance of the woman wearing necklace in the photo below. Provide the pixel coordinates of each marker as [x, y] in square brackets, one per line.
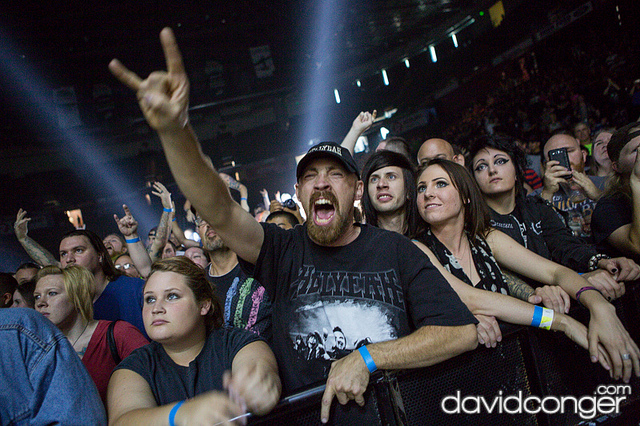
[450, 203]
[65, 297]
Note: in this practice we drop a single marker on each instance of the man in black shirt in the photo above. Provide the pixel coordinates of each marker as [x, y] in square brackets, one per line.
[331, 271]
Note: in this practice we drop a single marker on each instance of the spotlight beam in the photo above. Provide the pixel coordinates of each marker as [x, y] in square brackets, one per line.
[80, 150]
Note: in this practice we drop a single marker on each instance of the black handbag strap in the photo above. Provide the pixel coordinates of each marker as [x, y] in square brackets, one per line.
[112, 343]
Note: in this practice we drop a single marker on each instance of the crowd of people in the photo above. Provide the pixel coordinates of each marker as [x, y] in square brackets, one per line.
[404, 263]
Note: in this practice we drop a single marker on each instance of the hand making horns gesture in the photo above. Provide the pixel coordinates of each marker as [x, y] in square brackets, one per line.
[163, 96]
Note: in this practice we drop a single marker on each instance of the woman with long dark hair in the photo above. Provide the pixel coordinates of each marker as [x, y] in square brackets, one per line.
[497, 165]
[459, 235]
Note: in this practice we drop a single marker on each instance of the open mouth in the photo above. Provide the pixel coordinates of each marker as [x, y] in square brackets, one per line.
[431, 206]
[384, 197]
[323, 212]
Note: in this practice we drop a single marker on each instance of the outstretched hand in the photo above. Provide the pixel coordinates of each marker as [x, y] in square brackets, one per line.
[165, 196]
[606, 283]
[127, 225]
[20, 226]
[363, 121]
[163, 96]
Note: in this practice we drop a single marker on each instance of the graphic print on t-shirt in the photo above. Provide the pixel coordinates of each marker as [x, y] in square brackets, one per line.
[363, 306]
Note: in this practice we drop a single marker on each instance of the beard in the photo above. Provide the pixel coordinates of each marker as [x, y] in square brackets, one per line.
[213, 244]
[326, 235]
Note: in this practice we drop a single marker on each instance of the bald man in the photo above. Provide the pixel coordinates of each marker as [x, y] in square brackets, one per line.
[571, 191]
[438, 148]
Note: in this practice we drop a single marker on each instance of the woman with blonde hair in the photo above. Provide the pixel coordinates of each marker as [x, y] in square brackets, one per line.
[65, 297]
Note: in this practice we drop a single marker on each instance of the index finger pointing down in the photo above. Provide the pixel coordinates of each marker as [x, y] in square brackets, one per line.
[327, 399]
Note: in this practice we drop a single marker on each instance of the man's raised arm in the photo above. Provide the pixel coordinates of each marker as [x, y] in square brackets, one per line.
[164, 100]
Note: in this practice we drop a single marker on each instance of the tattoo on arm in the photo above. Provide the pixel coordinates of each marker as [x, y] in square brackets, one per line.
[162, 236]
[517, 287]
[234, 184]
[231, 182]
[38, 253]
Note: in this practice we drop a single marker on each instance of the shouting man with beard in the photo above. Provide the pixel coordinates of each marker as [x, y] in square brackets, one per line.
[393, 307]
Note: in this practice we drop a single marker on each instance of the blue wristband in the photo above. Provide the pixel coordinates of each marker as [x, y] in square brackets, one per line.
[537, 316]
[167, 210]
[133, 240]
[172, 413]
[366, 356]
[174, 219]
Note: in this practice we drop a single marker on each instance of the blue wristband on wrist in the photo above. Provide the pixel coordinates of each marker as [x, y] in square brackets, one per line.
[537, 316]
[366, 356]
[133, 240]
[167, 210]
[172, 413]
[174, 219]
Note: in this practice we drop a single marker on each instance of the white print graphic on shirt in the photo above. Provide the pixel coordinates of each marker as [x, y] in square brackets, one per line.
[354, 322]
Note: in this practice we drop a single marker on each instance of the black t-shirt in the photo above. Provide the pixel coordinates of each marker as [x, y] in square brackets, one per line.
[245, 302]
[171, 382]
[610, 214]
[536, 225]
[328, 301]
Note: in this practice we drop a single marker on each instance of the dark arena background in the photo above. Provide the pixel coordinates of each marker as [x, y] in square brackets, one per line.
[270, 78]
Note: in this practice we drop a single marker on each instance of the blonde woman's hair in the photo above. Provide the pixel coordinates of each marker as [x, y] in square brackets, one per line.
[78, 284]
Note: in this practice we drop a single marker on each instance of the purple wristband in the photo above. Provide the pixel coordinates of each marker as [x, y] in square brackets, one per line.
[585, 289]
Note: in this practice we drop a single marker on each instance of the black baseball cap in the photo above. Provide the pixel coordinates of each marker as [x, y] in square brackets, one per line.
[328, 149]
[620, 138]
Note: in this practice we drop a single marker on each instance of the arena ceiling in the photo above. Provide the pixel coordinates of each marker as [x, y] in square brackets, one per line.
[67, 44]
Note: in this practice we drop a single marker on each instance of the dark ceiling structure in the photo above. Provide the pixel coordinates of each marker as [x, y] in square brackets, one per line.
[68, 44]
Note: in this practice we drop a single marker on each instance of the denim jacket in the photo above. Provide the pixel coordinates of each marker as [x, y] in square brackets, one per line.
[43, 379]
